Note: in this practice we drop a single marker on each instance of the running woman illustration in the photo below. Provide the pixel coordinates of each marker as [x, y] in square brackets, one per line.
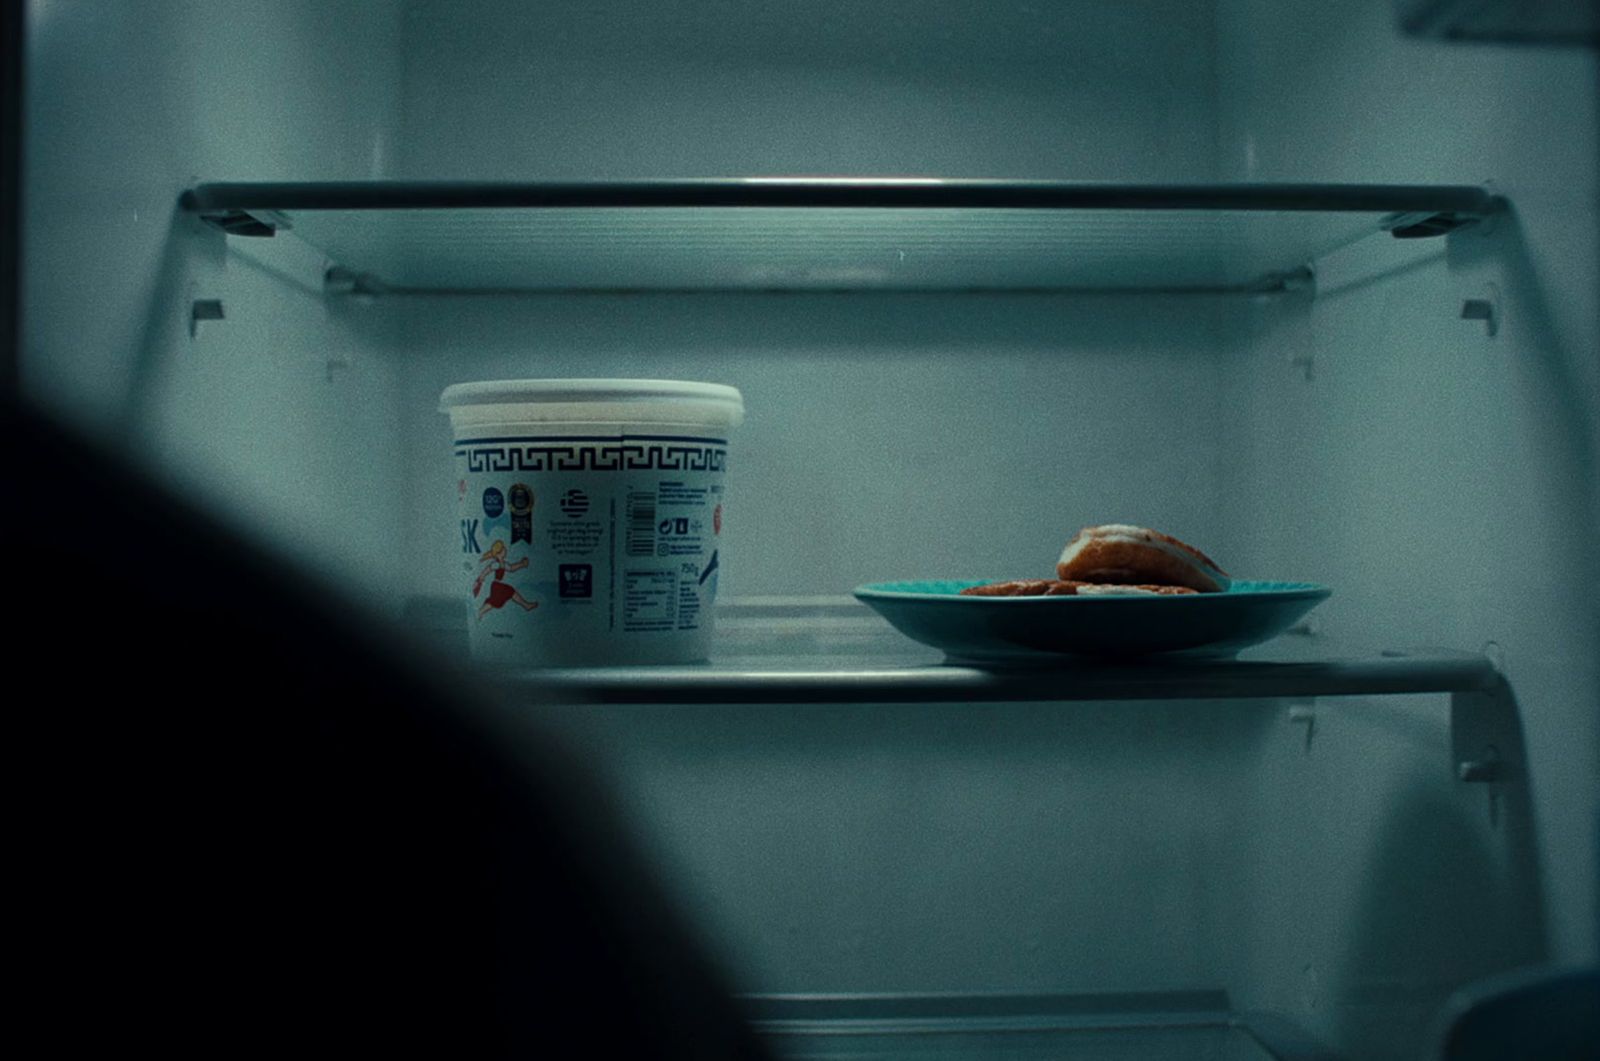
[500, 591]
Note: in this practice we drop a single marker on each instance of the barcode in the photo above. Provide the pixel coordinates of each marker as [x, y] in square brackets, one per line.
[641, 536]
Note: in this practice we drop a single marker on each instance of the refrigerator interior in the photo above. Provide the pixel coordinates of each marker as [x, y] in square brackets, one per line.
[1318, 859]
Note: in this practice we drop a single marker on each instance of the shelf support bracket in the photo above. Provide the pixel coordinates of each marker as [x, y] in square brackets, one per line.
[1301, 280]
[247, 222]
[1426, 225]
[204, 309]
[337, 280]
[1486, 746]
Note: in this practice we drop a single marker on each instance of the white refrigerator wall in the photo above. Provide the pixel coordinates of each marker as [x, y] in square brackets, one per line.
[1443, 479]
[965, 848]
[281, 419]
[619, 88]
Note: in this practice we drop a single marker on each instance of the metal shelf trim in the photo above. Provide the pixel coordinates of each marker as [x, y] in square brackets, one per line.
[1429, 672]
[839, 192]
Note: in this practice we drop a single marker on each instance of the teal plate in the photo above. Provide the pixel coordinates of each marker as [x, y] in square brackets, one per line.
[1039, 629]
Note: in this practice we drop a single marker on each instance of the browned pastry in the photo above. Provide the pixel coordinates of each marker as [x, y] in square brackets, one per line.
[1026, 587]
[1117, 554]
[1044, 587]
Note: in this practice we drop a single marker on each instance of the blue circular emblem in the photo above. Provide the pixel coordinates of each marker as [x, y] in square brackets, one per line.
[494, 502]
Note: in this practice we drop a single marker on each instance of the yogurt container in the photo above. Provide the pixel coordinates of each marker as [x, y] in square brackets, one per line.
[591, 517]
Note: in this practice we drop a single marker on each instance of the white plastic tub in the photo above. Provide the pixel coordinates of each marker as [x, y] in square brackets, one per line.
[591, 517]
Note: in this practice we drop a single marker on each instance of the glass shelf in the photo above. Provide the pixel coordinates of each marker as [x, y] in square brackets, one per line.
[1167, 1026]
[828, 235]
[823, 650]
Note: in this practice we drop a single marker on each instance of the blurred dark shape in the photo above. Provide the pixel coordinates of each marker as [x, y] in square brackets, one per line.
[1558, 23]
[249, 826]
[1542, 1015]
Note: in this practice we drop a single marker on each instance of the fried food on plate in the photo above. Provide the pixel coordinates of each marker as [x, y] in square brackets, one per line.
[1118, 554]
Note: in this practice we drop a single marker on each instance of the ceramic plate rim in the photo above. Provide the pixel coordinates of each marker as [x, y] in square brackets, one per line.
[1280, 588]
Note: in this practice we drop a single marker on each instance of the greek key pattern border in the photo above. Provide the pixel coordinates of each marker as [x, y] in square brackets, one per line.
[588, 457]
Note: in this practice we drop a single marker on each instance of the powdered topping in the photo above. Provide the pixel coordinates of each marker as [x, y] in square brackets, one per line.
[1044, 587]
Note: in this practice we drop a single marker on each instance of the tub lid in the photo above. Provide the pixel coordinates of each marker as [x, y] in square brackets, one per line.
[716, 399]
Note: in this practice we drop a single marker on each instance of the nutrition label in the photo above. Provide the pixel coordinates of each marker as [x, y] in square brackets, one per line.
[649, 600]
[688, 605]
